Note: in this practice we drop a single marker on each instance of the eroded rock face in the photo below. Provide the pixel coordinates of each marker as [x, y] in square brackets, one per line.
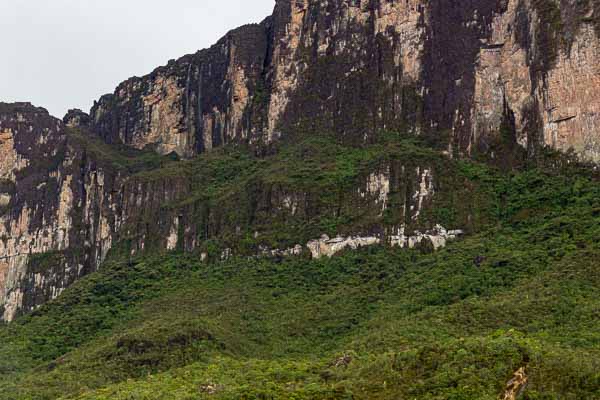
[543, 79]
[462, 71]
[571, 110]
[76, 118]
[516, 386]
[61, 209]
[192, 104]
[37, 196]
[326, 247]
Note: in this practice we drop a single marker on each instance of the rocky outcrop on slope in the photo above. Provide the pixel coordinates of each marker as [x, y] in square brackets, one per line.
[516, 386]
[437, 238]
[471, 75]
[76, 118]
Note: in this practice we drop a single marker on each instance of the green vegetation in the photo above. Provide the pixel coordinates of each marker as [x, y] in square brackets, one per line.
[116, 156]
[232, 194]
[521, 290]
[40, 263]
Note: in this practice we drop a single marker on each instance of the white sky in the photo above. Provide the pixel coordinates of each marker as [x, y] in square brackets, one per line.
[62, 54]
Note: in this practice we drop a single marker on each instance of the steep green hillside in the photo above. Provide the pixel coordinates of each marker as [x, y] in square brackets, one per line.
[521, 290]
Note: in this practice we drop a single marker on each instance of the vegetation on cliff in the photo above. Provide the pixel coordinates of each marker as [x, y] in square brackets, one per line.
[520, 291]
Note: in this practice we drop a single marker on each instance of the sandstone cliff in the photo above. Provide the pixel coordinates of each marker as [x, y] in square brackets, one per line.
[468, 73]
[62, 203]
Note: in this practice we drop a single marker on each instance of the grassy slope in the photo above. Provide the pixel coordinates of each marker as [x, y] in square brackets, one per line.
[451, 325]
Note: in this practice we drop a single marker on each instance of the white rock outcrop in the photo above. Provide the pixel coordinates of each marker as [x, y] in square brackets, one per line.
[326, 247]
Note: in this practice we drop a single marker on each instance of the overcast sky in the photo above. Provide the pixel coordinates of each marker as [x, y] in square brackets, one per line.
[62, 54]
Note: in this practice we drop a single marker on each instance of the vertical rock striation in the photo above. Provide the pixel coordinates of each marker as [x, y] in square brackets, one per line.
[458, 71]
[192, 104]
[61, 207]
[37, 198]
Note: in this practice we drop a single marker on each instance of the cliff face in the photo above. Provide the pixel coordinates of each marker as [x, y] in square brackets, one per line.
[470, 76]
[461, 72]
[53, 220]
[194, 104]
[61, 206]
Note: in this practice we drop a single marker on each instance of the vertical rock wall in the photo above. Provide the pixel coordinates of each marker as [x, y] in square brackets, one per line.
[455, 70]
[38, 197]
[62, 208]
[192, 104]
[541, 63]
